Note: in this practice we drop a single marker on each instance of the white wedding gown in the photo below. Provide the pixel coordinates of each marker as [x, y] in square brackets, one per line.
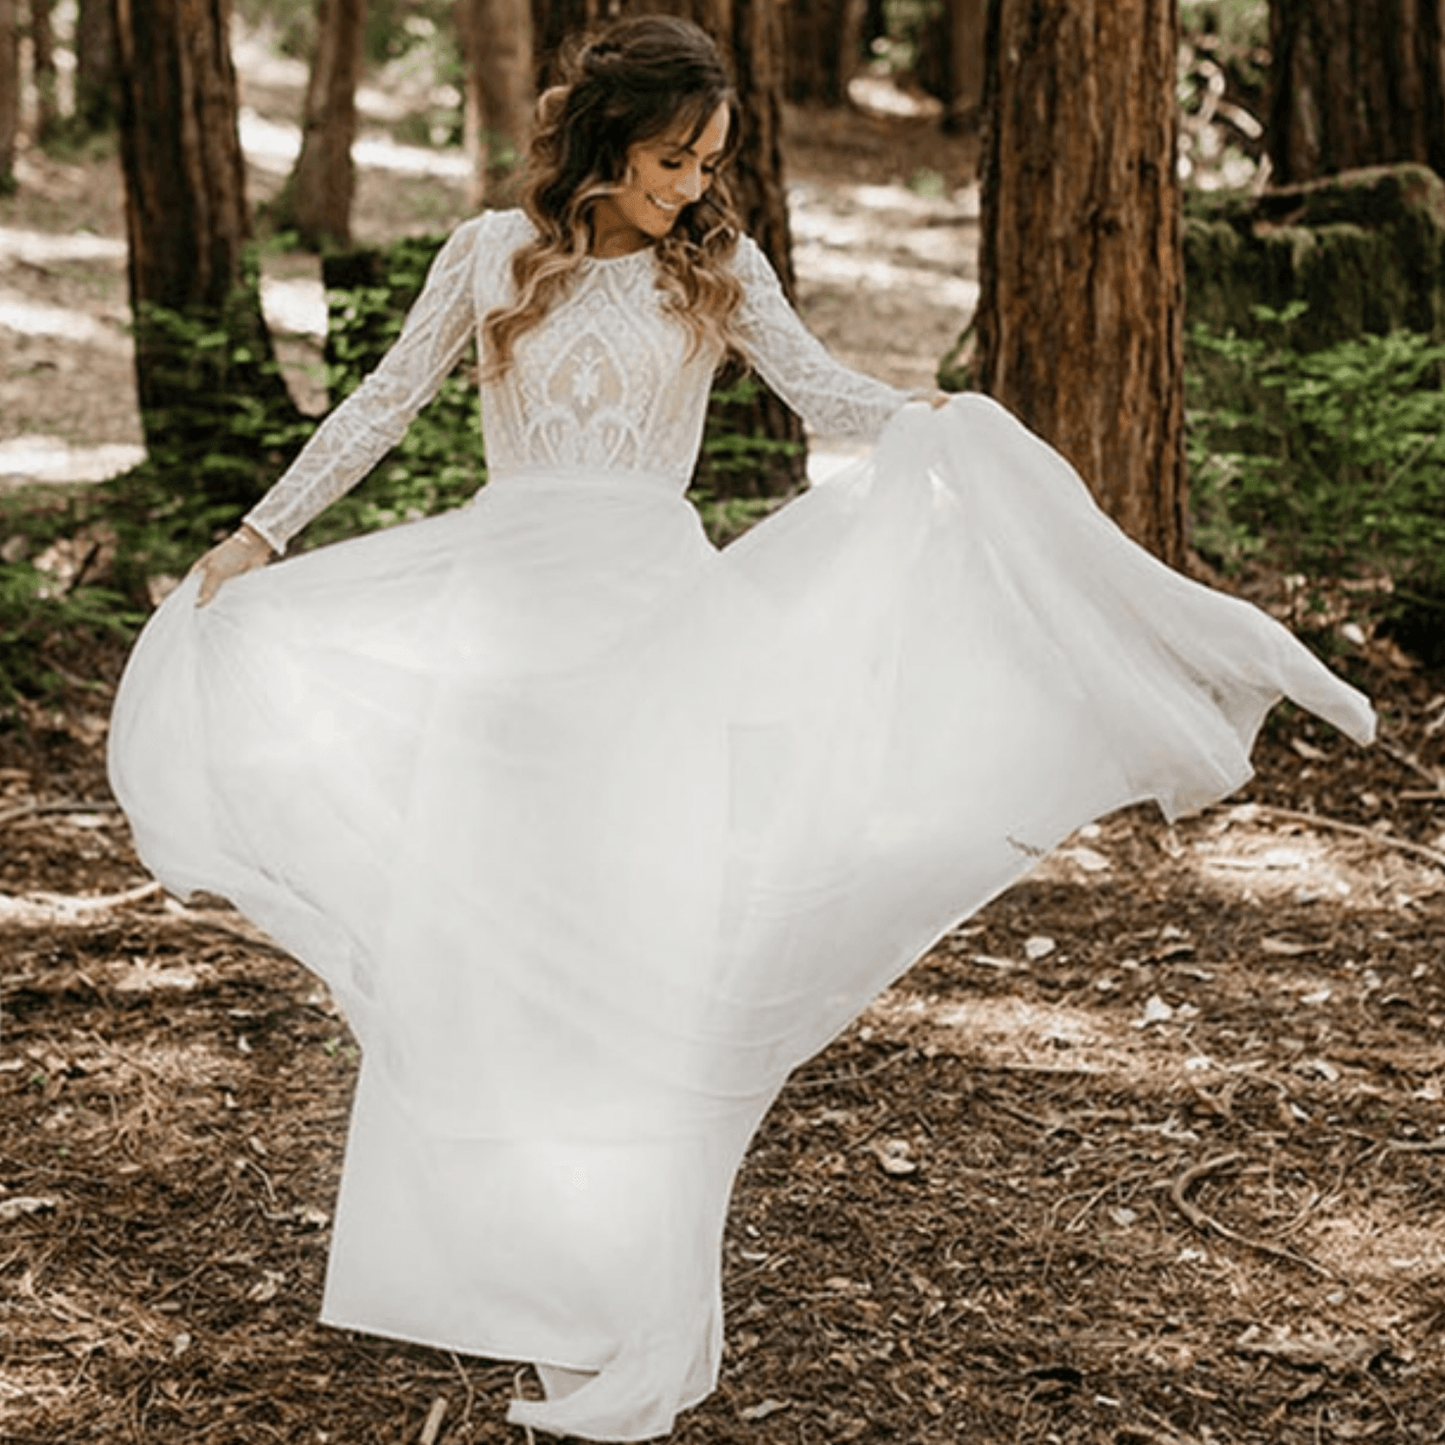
[596, 831]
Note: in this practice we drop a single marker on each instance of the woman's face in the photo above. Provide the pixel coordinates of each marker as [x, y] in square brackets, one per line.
[663, 175]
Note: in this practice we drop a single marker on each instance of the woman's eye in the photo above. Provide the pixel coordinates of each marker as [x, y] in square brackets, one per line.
[671, 165]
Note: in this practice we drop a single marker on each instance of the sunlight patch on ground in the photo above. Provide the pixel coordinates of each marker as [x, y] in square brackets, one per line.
[1243, 850]
[1382, 1243]
[823, 265]
[274, 146]
[53, 459]
[39, 248]
[30, 318]
[1015, 1033]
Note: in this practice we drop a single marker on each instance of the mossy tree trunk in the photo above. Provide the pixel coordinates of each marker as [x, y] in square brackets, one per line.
[497, 50]
[1355, 83]
[316, 200]
[203, 355]
[1079, 328]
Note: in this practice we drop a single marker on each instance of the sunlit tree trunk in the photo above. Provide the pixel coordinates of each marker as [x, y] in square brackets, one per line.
[824, 40]
[9, 93]
[1355, 83]
[315, 202]
[202, 347]
[1079, 324]
[95, 92]
[497, 50]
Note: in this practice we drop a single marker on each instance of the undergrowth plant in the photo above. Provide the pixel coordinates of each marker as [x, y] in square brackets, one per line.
[1329, 463]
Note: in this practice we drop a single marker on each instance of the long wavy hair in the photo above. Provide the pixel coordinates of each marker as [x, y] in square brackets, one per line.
[636, 80]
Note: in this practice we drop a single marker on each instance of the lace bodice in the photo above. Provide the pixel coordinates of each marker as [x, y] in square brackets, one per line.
[605, 382]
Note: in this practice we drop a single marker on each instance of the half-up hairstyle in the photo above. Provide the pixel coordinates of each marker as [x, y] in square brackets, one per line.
[638, 79]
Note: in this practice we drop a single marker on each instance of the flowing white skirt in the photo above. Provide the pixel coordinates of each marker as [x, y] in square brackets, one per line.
[596, 832]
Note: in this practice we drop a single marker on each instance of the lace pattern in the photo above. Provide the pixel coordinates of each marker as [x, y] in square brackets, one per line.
[605, 382]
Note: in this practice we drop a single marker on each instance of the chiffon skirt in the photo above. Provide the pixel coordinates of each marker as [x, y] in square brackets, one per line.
[596, 832]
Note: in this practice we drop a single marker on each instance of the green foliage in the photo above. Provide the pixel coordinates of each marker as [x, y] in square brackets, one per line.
[225, 431]
[1238, 25]
[439, 463]
[37, 613]
[727, 451]
[1331, 462]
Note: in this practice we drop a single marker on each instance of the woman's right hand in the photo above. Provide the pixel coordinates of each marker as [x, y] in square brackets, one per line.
[243, 551]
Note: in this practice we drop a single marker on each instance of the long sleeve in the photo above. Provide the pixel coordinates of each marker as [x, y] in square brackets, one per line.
[376, 415]
[832, 399]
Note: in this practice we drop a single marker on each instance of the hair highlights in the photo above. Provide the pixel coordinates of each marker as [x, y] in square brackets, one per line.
[639, 79]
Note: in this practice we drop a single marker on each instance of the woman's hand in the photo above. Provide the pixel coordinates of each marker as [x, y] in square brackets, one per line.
[243, 551]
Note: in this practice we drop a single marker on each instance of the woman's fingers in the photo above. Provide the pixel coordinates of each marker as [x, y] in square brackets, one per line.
[241, 552]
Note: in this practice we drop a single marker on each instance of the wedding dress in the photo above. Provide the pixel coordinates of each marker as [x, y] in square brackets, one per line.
[596, 831]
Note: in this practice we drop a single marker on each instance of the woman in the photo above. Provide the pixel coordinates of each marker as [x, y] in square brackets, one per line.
[597, 832]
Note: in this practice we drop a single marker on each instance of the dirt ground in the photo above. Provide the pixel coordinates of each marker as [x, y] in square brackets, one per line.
[1149, 1152]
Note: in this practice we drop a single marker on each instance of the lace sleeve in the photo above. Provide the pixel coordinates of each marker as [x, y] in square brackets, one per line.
[832, 399]
[376, 415]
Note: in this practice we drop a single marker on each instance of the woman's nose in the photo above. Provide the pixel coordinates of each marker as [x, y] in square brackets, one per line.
[691, 186]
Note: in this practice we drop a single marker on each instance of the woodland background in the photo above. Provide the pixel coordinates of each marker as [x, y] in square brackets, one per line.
[1150, 1150]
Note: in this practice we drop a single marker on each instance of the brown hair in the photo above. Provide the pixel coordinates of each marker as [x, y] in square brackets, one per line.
[636, 80]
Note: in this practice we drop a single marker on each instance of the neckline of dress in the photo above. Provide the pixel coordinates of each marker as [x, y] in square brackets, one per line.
[625, 256]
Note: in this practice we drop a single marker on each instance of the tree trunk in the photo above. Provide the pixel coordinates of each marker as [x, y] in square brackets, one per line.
[47, 91]
[315, 202]
[9, 93]
[204, 362]
[497, 53]
[952, 68]
[824, 42]
[95, 89]
[750, 35]
[1355, 83]
[1079, 323]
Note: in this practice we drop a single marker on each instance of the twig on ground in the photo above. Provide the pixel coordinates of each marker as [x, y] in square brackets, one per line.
[69, 907]
[1411, 764]
[70, 805]
[433, 1427]
[1179, 1191]
[1355, 830]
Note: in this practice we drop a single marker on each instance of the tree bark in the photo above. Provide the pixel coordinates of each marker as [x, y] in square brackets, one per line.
[1079, 323]
[315, 202]
[9, 93]
[1355, 83]
[823, 46]
[952, 70]
[95, 86]
[497, 52]
[47, 90]
[203, 354]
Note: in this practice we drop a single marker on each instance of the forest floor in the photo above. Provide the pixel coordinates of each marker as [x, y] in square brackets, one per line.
[1151, 1151]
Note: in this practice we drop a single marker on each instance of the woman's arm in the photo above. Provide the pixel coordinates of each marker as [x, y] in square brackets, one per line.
[832, 399]
[372, 419]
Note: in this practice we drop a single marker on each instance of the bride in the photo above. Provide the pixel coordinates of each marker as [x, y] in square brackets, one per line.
[596, 831]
